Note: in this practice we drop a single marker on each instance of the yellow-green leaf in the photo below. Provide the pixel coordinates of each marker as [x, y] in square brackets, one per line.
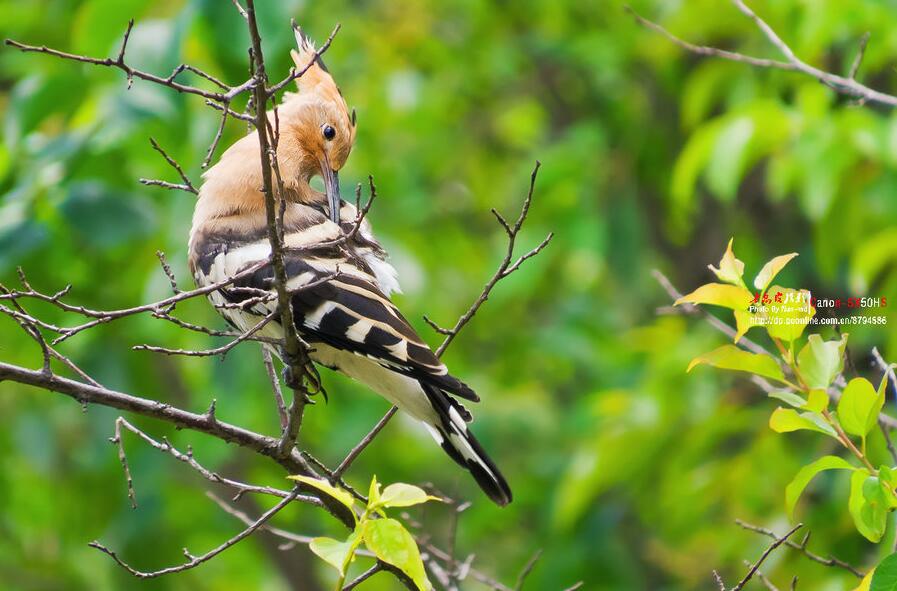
[404, 495]
[731, 357]
[334, 552]
[800, 481]
[390, 542]
[343, 496]
[719, 294]
[786, 320]
[731, 270]
[859, 406]
[867, 580]
[817, 401]
[785, 420]
[771, 269]
[374, 493]
[744, 321]
[789, 397]
[821, 361]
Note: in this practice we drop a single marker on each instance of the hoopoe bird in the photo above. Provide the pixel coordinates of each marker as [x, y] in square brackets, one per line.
[348, 320]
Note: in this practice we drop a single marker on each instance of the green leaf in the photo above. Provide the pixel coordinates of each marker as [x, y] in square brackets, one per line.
[867, 506]
[404, 495]
[344, 497]
[374, 492]
[771, 269]
[817, 401]
[731, 357]
[789, 397]
[797, 485]
[785, 420]
[886, 474]
[859, 407]
[719, 294]
[390, 542]
[821, 361]
[789, 318]
[335, 553]
[884, 577]
[731, 270]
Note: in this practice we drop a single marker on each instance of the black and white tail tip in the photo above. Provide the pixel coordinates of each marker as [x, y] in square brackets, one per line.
[460, 444]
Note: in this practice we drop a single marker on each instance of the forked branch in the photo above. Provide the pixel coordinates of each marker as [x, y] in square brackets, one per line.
[847, 85]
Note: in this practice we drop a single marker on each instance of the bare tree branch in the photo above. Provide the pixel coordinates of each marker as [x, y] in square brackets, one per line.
[211, 352]
[802, 548]
[507, 266]
[194, 561]
[275, 387]
[131, 73]
[89, 394]
[841, 84]
[165, 446]
[769, 550]
[527, 569]
[365, 441]
[185, 186]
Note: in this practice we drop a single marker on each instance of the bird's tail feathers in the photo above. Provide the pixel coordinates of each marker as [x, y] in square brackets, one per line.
[460, 444]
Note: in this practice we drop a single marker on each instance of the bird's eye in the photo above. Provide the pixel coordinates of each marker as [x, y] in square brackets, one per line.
[329, 132]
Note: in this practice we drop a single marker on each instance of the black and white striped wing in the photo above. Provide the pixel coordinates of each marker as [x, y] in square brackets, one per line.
[350, 313]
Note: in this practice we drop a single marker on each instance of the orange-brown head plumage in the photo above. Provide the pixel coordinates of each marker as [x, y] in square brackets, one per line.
[316, 134]
[323, 124]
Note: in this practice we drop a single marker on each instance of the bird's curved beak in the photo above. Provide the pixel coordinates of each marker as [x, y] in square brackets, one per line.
[331, 187]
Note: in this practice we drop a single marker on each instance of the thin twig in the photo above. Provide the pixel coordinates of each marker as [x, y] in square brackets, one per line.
[844, 85]
[123, 459]
[166, 268]
[211, 352]
[527, 569]
[165, 446]
[131, 73]
[363, 577]
[225, 110]
[861, 52]
[195, 561]
[802, 547]
[763, 579]
[769, 550]
[275, 387]
[175, 165]
[188, 68]
[362, 211]
[298, 73]
[233, 114]
[504, 269]
[365, 441]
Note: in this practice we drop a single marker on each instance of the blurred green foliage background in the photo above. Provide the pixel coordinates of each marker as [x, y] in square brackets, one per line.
[628, 472]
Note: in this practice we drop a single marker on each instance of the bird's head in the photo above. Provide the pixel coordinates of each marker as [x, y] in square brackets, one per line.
[318, 122]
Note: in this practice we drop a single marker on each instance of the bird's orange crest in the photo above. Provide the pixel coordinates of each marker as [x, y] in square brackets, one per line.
[316, 78]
